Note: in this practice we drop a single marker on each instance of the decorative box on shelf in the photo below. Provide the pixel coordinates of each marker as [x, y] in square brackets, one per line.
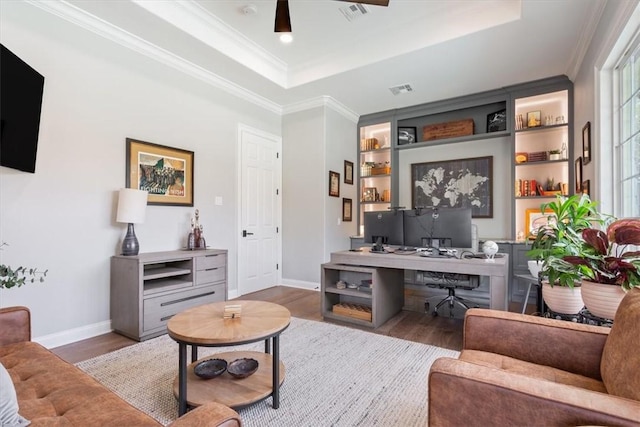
[384, 170]
[451, 129]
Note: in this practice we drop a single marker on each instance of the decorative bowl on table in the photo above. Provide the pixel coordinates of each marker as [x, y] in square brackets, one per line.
[242, 368]
[210, 368]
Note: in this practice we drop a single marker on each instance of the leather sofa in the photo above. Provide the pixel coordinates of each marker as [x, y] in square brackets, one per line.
[517, 370]
[52, 392]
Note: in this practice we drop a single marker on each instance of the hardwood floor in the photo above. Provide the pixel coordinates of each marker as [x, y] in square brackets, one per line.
[419, 327]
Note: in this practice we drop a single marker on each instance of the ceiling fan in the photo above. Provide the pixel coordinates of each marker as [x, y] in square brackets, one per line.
[283, 20]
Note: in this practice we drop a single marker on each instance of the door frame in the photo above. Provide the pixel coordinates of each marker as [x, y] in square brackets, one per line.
[277, 140]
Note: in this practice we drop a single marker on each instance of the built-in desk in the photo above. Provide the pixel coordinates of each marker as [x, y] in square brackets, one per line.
[497, 271]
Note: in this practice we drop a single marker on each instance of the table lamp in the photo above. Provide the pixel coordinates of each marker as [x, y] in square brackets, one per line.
[132, 208]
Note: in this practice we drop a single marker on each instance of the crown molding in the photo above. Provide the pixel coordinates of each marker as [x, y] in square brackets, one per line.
[322, 101]
[117, 35]
[201, 24]
[588, 31]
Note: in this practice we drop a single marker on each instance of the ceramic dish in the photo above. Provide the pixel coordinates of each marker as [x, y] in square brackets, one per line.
[210, 368]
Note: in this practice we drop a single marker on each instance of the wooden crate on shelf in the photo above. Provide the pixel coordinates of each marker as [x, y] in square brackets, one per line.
[355, 311]
[384, 170]
[448, 130]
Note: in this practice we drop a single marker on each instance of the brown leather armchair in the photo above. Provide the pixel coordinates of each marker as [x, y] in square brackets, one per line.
[522, 370]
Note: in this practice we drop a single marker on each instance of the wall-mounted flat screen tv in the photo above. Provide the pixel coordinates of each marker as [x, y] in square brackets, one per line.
[21, 90]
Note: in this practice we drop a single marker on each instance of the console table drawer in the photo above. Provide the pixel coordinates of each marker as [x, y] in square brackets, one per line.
[157, 311]
[210, 261]
[210, 275]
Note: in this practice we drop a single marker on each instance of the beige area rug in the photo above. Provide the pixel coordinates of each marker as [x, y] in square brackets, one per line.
[335, 376]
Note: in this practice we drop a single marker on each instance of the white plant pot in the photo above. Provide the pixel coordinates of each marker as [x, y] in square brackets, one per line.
[534, 267]
[562, 299]
[602, 300]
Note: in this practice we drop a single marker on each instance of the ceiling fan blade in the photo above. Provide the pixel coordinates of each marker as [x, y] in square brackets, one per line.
[372, 2]
[283, 20]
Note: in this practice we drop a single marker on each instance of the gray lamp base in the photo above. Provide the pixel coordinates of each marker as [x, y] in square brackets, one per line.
[130, 244]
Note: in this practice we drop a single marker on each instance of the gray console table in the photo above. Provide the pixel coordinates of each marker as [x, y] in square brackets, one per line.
[497, 271]
[150, 288]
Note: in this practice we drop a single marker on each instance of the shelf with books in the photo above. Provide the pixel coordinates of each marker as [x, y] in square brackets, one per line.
[542, 150]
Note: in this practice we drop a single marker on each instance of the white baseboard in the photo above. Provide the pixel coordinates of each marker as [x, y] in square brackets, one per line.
[82, 333]
[72, 335]
[313, 286]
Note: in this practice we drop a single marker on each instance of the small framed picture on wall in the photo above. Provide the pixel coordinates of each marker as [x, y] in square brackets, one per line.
[586, 187]
[586, 143]
[347, 209]
[578, 173]
[334, 184]
[348, 172]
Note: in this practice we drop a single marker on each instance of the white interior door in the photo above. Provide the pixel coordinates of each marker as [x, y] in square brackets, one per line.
[259, 251]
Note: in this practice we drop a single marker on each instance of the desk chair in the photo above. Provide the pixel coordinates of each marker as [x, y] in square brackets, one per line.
[451, 282]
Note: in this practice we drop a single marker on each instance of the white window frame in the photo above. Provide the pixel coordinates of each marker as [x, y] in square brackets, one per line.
[607, 114]
[622, 207]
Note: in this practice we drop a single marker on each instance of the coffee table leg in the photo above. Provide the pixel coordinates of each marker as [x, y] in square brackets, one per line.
[276, 372]
[182, 379]
[194, 353]
[267, 346]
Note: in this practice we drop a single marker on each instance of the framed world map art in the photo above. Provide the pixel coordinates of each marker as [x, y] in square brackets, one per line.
[463, 183]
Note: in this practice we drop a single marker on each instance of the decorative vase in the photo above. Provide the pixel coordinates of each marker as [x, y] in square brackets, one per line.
[602, 300]
[562, 299]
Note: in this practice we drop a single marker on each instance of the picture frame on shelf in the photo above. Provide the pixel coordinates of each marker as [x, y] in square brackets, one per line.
[586, 144]
[578, 174]
[468, 184]
[348, 172]
[334, 184]
[369, 194]
[166, 173]
[534, 219]
[497, 121]
[347, 210]
[406, 135]
[586, 187]
[533, 119]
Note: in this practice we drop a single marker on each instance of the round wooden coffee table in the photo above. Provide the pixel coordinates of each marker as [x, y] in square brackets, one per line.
[204, 326]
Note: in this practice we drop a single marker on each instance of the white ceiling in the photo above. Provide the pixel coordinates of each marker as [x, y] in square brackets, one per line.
[443, 48]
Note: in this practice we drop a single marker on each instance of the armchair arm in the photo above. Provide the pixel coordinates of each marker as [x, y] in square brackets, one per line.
[15, 325]
[455, 387]
[210, 415]
[569, 346]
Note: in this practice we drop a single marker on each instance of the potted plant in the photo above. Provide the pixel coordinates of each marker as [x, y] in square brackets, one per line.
[609, 264]
[567, 217]
[554, 155]
[10, 277]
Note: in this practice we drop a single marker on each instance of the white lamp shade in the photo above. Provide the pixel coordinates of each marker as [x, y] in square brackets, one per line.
[132, 206]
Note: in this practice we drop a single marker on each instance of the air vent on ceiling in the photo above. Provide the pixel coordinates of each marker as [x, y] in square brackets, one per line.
[354, 11]
[397, 90]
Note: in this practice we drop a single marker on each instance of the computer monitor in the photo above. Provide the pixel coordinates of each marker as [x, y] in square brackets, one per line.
[385, 227]
[438, 227]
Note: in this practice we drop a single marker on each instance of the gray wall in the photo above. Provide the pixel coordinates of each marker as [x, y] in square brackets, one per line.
[303, 196]
[62, 218]
[341, 136]
[315, 141]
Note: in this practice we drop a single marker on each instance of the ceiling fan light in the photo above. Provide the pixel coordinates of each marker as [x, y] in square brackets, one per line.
[286, 38]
